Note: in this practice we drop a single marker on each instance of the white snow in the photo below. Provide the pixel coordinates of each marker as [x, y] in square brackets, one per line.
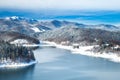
[116, 47]
[86, 50]
[17, 65]
[7, 18]
[31, 45]
[36, 29]
[20, 41]
[24, 42]
[14, 17]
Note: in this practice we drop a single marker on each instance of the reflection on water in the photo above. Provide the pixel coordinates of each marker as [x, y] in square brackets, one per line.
[17, 74]
[42, 55]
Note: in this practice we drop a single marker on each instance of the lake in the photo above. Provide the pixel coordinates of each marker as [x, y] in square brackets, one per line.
[59, 64]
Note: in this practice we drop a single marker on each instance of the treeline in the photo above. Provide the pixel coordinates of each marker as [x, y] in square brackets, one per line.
[81, 35]
[11, 36]
[15, 53]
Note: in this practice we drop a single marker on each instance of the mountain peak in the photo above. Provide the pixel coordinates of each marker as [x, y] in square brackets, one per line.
[14, 18]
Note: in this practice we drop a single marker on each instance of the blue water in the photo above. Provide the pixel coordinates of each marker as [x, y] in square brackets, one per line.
[60, 64]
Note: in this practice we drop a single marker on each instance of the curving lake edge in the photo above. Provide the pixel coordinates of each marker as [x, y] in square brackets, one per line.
[18, 65]
[85, 50]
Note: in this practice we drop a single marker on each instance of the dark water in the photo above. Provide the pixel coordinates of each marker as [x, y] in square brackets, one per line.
[60, 64]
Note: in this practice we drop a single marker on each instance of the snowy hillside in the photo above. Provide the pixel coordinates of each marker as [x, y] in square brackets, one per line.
[31, 26]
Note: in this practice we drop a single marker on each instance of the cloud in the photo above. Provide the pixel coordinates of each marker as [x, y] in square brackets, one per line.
[62, 4]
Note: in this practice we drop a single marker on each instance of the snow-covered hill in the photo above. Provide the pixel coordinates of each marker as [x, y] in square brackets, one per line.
[102, 41]
[21, 25]
[15, 37]
[31, 26]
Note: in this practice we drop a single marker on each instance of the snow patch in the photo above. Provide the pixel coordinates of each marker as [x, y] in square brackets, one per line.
[31, 45]
[14, 17]
[19, 41]
[17, 65]
[36, 29]
[7, 18]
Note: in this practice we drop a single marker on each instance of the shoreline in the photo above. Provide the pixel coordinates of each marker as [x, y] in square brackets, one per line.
[85, 50]
[17, 65]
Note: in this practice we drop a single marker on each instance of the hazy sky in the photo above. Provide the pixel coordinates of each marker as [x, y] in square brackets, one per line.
[62, 4]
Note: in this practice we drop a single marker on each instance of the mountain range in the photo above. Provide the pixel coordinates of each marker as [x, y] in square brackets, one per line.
[32, 26]
[105, 35]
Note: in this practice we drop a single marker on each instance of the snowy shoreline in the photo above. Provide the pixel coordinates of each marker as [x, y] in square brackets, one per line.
[85, 50]
[17, 65]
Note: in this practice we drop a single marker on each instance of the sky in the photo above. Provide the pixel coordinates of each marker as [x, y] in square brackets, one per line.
[61, 4]
[106, 11]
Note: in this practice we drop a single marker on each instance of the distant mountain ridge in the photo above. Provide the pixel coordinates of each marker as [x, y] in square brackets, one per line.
[32, 26]
[21, 25]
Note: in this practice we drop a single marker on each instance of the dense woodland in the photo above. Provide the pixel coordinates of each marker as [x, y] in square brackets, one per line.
[10, 52]
[108, 41]
[11, 36]
[81, 35]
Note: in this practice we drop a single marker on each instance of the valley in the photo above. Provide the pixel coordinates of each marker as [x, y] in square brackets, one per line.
[25, 32]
